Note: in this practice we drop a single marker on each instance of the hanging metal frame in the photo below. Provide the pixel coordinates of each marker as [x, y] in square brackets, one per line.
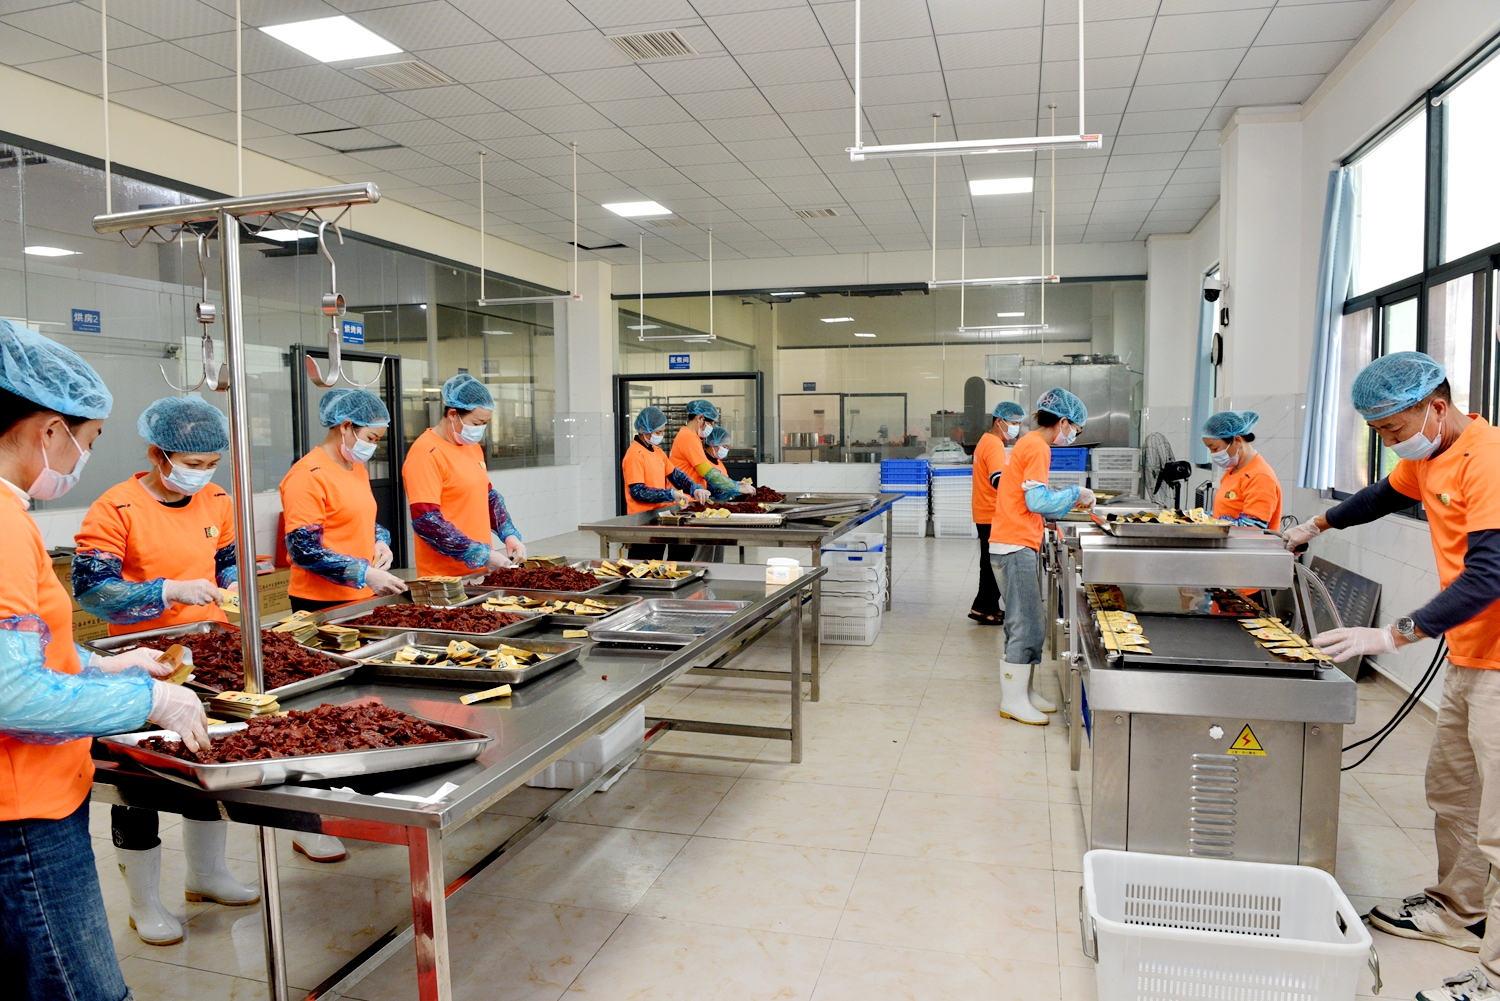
[334, 308]
[697, 338]
[516, 300]
[216, 377]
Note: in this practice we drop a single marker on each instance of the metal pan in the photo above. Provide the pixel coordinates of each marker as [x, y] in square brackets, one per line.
[699, 571]
[1151, 533]
[344, 615]
[559, 652]
[466, 746]
[343, 666]
[616, 602]
[477, 586]
[801, 507]
[666, 622]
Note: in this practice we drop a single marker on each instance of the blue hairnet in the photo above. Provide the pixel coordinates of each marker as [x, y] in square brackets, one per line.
[1227, 423]
[464, 392]
[718, 436]
[1064, 404]
[184, 424]
[50, 375]
[359, 406]
[1390, 384]
[650, 420]
[1006, 410]
[702, 408]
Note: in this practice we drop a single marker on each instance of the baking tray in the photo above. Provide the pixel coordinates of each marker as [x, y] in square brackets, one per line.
[344, 614]
[666, 622]
[476, 586]
[802, 507]
[700, 570]
[562, 652]
[116, 644]
[467, 746]
[1207, 644]
[615, 601]
[1152, 533]
[700, 520]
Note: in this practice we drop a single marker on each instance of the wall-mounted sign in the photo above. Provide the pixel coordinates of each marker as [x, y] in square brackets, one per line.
[706, 388]
[86, 321]
[679, 363]
[809, 387]
[354, 332]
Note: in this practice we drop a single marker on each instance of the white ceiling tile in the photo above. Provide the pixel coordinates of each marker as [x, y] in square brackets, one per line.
[682, 156]
[905, 88]
[1202, 159]
[789, 66]
[576, 50]
[563, 120]
[611, 15]
[603, 140]
[1159, 142]
[767, 31]
[297, 118]
[728, 130]
[442, 102]
[521, 20]
[221, 125]
[77, 27]
[1269, 90]
[1194, 32]
[617, 83]
[1324, 22]
[526, 92]
[992, 81]
[221, 91]
[420, 133]
[1175, 96]
[1061, 12]
[1159, 68]
[882, 21]
[395, 159]
[1111, 71]
[259, 51]
[981, 49]
[1162, 121]
[372, 109]
[894, 58]
[83, 73]
[164, 62]
[725, 104]
[1212, 6]
[1291, 60]
[164, 102]
[495, 125]
[693, 76]
[17, 46]
[825, 95]
[425, 25]
[1102, 39]
[313, 83]
[1131, 162]
[476, 63]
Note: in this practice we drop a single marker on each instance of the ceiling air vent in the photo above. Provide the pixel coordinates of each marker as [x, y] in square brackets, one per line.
[650, 45]
[814, 213]
[668, 222]
[409, 74]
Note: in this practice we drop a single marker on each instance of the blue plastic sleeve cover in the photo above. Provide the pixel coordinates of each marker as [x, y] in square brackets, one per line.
[500, 522]
[226, 569]
[429, 525]
[680, 480]
[100, 586]
[642, 494]
[85, 655]
[382, 534]
[719, 483]
[717, 493]
[305, 548]
[1051, 503]
[1245, 521]
[42, 706]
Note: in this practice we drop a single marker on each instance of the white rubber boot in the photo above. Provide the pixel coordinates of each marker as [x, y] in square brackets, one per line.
[319, 847]
[1014, 704]
[1044, 704]
[208, 875]
[151, 921]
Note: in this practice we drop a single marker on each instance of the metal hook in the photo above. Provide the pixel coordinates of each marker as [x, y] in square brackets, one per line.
[334, 307]
[207, 313]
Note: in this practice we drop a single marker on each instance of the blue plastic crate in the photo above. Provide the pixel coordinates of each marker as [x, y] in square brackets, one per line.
[904, 471]
[966, 472]
[1070, 460]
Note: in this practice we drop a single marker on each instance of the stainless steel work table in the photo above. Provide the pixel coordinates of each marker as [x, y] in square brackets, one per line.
[538, 724]
[809, 535]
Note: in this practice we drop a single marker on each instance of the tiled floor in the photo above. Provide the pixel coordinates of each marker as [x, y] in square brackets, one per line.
[924, 849]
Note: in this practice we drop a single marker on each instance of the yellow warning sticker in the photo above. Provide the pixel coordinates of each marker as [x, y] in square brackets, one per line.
[1247, 743]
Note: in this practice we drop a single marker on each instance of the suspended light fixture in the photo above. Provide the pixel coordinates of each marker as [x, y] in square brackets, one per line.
[691, 337]
[519, 299]
[859, 151]
[1000, 329]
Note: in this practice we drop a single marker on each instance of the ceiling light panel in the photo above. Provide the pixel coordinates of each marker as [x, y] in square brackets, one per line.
[636, 210]
[51, 252]
[1001, 186]
[864, 335]
[332, 39]
[837, 319]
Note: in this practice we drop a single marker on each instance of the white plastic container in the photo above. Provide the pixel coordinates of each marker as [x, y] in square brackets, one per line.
[781, 570]
[1163, 926]
[1058, 478]
[850, 558]
[584, 761]
[1118, 460]
[1115, 483]
[860, 573]
[857, 541]
[862, 590]
[859, 629]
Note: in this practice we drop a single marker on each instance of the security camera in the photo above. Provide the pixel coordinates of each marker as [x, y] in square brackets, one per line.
[1212, 287]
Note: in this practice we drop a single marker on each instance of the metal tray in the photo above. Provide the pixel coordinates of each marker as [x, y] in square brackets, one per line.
[1207, 644]
[1151, 533]
[476, 586]
[467, 746]
[561, 652]
[800, 507]
[767, 520]
[700, 570]
[615, 601]
[346, 665]
[344, 614]
[666, 622]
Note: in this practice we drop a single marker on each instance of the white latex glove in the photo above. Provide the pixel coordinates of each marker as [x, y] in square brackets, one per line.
[497, 560]
[680, 497]
[383, 557]
[176, 708]
[1342, 644]
[190, 592]
[746, 489]
[1085, 498]
[516, 549]
[1302, 535]
[702, 496]
[142, 657]
[382, 582]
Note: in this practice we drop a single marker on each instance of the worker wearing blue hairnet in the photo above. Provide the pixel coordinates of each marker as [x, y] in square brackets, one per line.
[690, 456]
[716, 448]
[652, 482]
[1449, 461]
[1023, 502]
[455, 508]
[989, 463]
[1249, 493]
[55, 695]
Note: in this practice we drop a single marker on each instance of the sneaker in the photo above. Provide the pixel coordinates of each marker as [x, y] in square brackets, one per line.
[1422, 917]
[1470, 985]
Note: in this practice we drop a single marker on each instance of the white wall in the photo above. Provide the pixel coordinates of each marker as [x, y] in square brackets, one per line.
[543, 501]
[1174, 292]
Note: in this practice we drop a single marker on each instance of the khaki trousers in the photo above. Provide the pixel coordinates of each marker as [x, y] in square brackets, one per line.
[1463, 789]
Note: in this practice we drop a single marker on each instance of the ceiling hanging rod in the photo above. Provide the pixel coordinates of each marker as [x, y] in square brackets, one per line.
[859, 151]
[643, 326]
[516, 300]
[963, 284]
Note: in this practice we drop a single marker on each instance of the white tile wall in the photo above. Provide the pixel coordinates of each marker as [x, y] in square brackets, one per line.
[585, 440]
[543, 501]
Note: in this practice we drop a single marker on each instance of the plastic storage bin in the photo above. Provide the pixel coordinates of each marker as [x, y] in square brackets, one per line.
[857, 541]
[1072, 460]
[1057, 480]
[848, 558]
[855, 574]
[585, 760]
[1115, 483]
[855, 590]
[859, 629]
[1115, 460]
[908, 471]
[1162, 926]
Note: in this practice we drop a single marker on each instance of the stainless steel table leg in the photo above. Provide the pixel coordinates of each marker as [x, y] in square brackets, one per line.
[817, 621]
[603, 547]
[797, 674]
[270, 915]
[890, 522]
[429, 913]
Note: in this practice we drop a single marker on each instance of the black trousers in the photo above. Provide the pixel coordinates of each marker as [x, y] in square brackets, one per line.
[987, 599]
[135, 829]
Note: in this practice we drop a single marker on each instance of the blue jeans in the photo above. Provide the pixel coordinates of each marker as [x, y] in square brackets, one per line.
[54, 937]
[1025, 619]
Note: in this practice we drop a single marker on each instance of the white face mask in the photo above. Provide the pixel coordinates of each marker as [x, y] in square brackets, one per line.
[720, 453]
[49, 483]
[1068, 439]
[471, 434]
[185, 480]
[1223, 460]
[657, 439]
[360, 451]
[1012, 430]
[705, 431]
[1419, 446]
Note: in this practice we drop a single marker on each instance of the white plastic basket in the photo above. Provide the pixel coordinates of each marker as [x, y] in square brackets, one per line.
[1118, 460]
[851, 558]
[1115, 483]
[1059, 478]
[863, 573]
[859, 590]
[857, 541]
[954, 527]
[1163, 926]
[583, 761]
[849, 630]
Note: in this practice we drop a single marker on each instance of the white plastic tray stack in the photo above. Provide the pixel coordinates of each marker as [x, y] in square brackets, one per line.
[853, 590]
[1115, 470]
[908, 477]
[952, 503]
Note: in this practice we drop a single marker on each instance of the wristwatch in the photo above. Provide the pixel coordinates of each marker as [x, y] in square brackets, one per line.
[1407, 628]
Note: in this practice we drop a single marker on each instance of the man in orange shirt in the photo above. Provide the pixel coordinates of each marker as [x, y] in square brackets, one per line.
[689, 456]
[652, 482]
[1450, 461]
[989, 463]
[1249, 492]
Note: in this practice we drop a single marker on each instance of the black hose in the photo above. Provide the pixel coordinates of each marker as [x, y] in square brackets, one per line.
[1404, 710]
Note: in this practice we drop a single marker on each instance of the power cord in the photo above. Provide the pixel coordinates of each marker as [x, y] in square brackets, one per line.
[1405, 709]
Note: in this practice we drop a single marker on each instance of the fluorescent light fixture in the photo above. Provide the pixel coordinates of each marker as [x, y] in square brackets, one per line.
[636, 210]
[501, 333]
[1009, 314]
[1001, 186]
[1035, 144]
[644, 326]
[1018, 280]
[837, 319]
[332, 39]
[284, 235]
[51, 252]
[864, 335]
[788, 293]
[1013, 328]
[422, 305]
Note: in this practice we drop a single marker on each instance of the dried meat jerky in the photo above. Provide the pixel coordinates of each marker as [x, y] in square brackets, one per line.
[542, 579]
[457, 620]
[327, 729]
[219, 664]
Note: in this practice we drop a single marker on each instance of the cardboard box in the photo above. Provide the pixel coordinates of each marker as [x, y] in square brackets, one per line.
[272, 586]
[87, 626]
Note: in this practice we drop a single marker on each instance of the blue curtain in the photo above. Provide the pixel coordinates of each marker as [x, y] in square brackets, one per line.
[1203, 379]
[1335, 264]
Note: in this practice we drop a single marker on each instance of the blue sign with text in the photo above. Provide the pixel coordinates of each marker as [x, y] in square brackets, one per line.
[86, 321]
[679, 363]
[809, 387]
[354, 332]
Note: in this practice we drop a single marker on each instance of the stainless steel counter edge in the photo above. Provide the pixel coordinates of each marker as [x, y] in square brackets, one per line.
[639, 527]
[1329, 698]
